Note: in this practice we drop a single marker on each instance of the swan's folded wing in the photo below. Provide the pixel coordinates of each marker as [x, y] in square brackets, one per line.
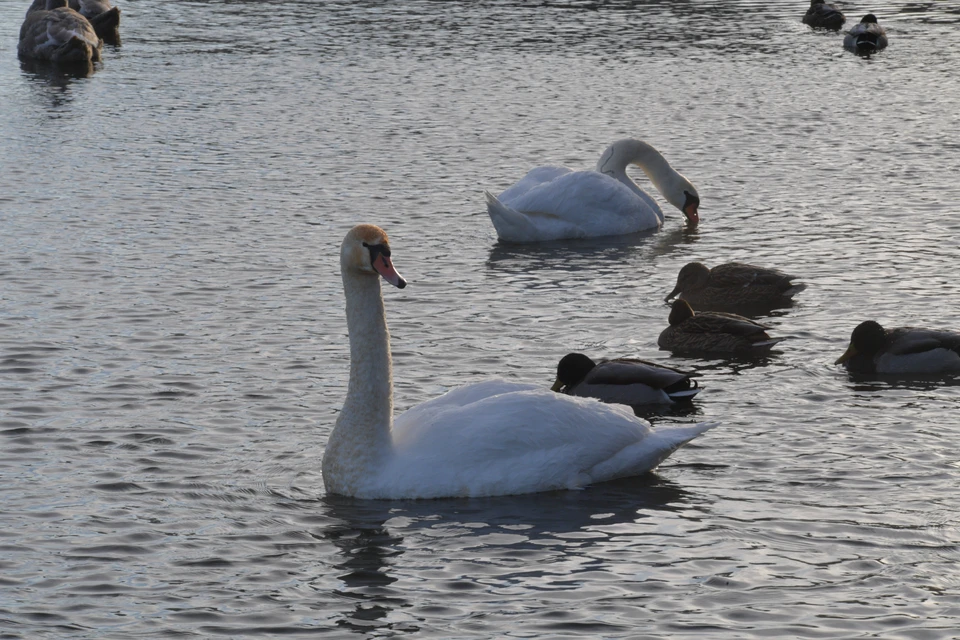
[534, 178]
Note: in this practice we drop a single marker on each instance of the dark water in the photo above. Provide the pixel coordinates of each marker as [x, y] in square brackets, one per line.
[173, 349]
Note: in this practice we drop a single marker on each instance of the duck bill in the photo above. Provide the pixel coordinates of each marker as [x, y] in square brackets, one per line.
[849, 353]
[673, 293]
[557, 386]
[384, 267]
[693, 216]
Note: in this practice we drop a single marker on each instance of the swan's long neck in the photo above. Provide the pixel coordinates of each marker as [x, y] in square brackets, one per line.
[361, 438]
[617, 156]
[665, 178]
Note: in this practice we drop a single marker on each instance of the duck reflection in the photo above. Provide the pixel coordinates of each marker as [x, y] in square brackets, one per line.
[54, 81]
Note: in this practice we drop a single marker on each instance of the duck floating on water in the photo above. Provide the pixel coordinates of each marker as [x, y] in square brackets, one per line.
[903, 350]
[103, 17]
[734, 285]
[58, 34]
[714, 332]
[623, 381]
[824, 16]
[866, 37]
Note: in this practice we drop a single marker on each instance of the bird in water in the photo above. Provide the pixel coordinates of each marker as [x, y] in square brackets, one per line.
[903, 350]
[866, 37]
[714, 332]
[623, 380]
[823, 16]
[58, 34]
[734, 285]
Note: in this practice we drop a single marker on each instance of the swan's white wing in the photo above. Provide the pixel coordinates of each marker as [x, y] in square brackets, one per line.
[595, 203]
[534, 178]
[517, 441]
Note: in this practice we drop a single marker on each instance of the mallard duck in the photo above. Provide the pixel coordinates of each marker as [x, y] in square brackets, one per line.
[58, 34]
[734, 284]
[556, 203]
[483, 439]
[904, 350]
[823, 16]
[714, 332]
[623, 381]
[866, 36]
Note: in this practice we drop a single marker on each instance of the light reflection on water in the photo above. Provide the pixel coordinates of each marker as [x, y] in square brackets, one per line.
[173, 349]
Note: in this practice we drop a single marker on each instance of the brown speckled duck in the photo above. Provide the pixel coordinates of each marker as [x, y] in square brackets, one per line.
[714, 332]
[58, 34]
[824, 16]
[734, 285]
[903, 350]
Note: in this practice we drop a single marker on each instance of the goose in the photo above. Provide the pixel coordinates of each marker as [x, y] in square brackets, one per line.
[903, 350]
[823, 16]
[58, 34]
[714, 332]
[623, 381]
[557, 203]
[484, 439]
[734, 284]
[866, 36]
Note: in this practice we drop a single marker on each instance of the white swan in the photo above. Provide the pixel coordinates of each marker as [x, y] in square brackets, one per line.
[484, 439]
[555, 203]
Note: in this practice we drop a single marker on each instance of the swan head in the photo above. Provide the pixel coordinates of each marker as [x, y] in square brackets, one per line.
[679, 312]
[366, 251]
[571, 370]
[693, 275]
[868, 338]
[684, 196]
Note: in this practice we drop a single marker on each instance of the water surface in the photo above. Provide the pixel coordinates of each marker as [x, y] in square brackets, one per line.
[173, 349]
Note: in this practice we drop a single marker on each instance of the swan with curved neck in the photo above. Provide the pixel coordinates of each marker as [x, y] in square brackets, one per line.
[554, 203]
[484, 439]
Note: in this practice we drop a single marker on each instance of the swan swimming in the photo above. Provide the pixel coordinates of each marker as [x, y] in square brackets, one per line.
[556, 203]
[485, 439]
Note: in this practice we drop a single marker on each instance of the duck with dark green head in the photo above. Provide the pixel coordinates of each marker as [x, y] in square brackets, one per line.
[902, 350]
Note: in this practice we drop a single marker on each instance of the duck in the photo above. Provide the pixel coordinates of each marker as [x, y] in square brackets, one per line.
[623, 381]
[903, 350]
[714, 332]
[734, 285]
[58, 34]
[103, 17]
[558, 203]
[824, 16]
[867, 36]
[489, 438]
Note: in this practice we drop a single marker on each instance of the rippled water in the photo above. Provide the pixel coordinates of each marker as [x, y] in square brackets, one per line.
[173, 349]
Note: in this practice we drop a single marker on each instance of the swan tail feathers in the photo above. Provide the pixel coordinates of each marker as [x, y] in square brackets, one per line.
[647, 454]
[511, 225]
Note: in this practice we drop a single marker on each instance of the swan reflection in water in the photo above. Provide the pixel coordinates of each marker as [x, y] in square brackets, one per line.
[593, 255]
[372, 536]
